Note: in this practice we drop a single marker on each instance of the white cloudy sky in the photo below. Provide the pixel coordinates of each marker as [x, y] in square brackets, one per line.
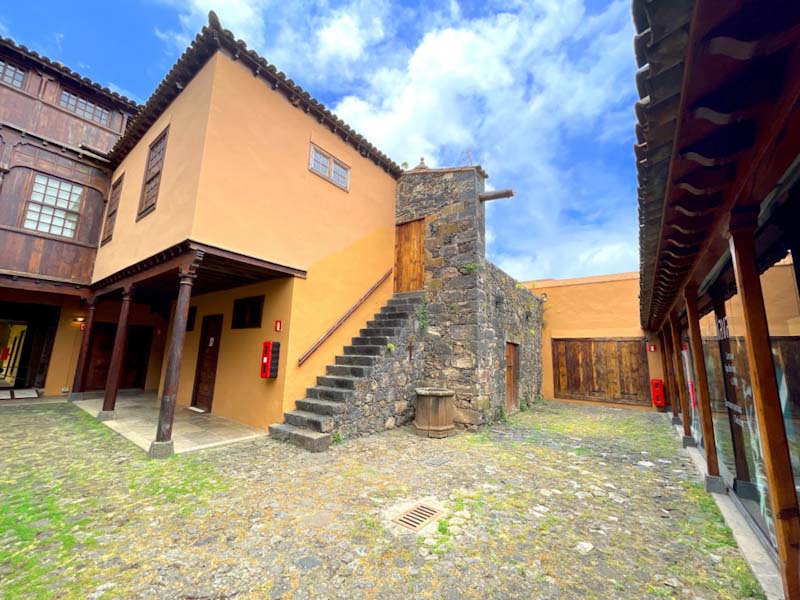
[539, 92]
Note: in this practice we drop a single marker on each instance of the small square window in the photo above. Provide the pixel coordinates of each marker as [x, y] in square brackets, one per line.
[324, 165]
[247, 312]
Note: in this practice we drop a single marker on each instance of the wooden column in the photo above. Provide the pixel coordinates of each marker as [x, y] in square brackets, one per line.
[680, 382]
[669, 385]
[777, 465]
[713, 481]
[80, 370]
[163, 446]
[117, 358]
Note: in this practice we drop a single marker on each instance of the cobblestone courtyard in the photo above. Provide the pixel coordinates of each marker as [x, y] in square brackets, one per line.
[562, 501]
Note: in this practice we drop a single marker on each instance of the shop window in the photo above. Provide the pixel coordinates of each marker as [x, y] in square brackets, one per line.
[779, 286]
[54, 206]
[691, 388]
[247, 312]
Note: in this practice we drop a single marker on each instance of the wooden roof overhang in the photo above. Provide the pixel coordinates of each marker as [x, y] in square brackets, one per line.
[26, 55]
[155, 278]
[719, 84]
[214, 37]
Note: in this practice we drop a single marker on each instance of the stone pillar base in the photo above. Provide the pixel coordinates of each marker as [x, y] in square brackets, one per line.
[676, 420]
[106, 415]
[688, 442]
[715, 484]
[161, 449]
[75, 396]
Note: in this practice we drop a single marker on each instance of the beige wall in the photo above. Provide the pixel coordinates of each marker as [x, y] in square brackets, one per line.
[171, 221]
[604, 306]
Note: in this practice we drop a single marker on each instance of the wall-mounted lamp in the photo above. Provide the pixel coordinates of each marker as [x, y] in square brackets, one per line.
[79, 319]
[544, 297]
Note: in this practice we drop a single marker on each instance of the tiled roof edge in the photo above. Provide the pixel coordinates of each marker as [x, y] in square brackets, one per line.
[65, 71]
[210, 39]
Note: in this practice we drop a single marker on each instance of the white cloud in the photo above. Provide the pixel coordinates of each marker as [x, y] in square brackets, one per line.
[535, 91]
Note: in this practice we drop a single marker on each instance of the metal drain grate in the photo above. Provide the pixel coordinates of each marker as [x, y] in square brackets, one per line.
[417, 517]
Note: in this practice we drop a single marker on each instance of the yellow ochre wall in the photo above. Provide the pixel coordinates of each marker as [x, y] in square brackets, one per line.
[255, 173]
[171, 221]
[603, 306]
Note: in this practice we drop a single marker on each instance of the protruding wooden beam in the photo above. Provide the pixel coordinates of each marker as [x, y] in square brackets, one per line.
[713, 482]
[772, 430]
[496, 195]
[680, 379]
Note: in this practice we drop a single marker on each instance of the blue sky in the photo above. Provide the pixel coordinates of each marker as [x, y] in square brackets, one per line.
[539, 92]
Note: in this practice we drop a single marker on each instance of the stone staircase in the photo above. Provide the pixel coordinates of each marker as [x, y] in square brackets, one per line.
[317, 416]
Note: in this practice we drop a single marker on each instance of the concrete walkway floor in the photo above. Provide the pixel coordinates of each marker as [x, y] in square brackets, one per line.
[137, 419]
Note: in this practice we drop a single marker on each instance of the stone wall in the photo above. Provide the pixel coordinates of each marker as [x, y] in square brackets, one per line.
[385, 398]
[465, 341]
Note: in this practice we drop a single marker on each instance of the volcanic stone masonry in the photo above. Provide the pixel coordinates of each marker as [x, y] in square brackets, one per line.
[472, 308]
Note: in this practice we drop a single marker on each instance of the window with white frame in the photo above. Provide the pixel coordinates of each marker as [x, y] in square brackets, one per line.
[54, 206]
[11, 74]
[325, 165]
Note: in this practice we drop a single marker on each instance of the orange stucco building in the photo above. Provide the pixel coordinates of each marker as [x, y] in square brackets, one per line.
[230, 181]
[593, 346]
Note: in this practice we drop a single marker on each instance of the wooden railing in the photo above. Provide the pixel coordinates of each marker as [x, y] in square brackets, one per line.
[343, 318]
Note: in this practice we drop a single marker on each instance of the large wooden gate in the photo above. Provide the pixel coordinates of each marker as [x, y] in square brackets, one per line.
[409, 263]
[613, 370]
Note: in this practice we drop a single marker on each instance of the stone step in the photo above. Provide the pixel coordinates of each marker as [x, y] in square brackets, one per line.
[392, 316]
[348, 370]
[364, 350]
[418, 294]
[356, 359]
[313, 441]
[320, 407]
[384, 323]
[403, 308]
[321, 392]
[376, 340]
[309, 420]
[387, 331]
[391, 312]
[405, 301]
[345, 383]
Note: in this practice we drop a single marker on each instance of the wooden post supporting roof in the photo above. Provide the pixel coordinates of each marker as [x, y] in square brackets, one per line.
[680, 381]
[777, 461]
[117, 358]
[669, 385]
[80, 371]
[713, 481]
[163, 446]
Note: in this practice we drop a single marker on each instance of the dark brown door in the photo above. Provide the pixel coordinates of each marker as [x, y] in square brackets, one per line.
[613, 370]
[512, 378]
[207, 356]
[137, 356]
[409, 263]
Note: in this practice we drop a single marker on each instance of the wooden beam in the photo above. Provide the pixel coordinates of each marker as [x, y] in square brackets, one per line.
[772, 431]
[117, 358]
[83, 353]
[496, 195]
[680, 380]
[713, 482]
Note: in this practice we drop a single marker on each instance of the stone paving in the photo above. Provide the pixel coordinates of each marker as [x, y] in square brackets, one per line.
[562, 501]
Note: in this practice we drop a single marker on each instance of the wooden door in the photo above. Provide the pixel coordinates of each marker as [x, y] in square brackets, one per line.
[409, 262]
[512, 378]
[613, 370]
[134, 365]
[207, 357]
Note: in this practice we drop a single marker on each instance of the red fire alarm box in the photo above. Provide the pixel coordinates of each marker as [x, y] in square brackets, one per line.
[270, 354]
[651, 348]
[657, 392]
[4, 354]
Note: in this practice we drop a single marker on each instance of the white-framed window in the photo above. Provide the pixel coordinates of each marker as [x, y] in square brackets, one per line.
[325, 165]
[54, 206]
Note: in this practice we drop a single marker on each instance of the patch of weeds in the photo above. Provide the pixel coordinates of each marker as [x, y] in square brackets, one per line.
[747, 583]
[390, 347]
[659, 591]
[581, 450]
[469, 268]
[481, 437]
[423, 316]
[371, 524]
[336, 438]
